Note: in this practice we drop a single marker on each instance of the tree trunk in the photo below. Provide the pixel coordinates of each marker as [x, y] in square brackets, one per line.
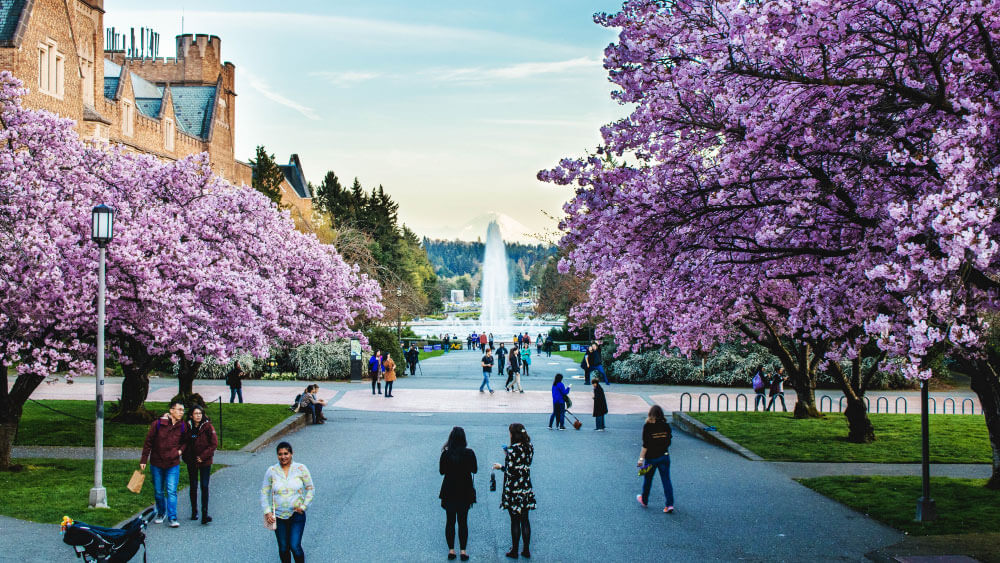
[859, 426]
[986, 384]
[805, 400]
[11, 407]
[186, 373]
[135, 386]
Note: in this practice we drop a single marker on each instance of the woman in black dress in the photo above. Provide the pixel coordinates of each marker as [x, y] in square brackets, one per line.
[518, 496]
[458, 492]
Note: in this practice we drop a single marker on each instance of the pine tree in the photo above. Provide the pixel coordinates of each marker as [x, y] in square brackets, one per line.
[267, 175]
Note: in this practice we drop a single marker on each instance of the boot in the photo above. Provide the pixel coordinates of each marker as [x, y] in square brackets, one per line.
[300, 558]
[286, 556]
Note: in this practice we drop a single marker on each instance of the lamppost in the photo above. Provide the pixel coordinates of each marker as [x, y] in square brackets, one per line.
[101, 232]
[399, 313]
[926, 510]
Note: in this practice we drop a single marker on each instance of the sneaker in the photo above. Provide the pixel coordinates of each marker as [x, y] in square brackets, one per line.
[491, 391]
[522, 390]
[639, 498]
[158, 519]
[174, 524]
[562, 428]
[668, 509]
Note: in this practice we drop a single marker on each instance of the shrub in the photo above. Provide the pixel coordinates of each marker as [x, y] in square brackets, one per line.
[322, 360]
[381, 338]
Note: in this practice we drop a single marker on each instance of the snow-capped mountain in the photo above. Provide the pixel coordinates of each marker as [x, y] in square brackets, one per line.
[510, 229]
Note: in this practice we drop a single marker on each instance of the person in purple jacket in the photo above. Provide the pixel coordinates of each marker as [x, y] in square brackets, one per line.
[559, 393]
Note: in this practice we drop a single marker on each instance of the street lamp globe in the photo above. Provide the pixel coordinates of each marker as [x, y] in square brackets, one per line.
[102, 225]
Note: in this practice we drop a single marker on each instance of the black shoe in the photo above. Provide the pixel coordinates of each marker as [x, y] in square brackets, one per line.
[512, 553]
[464, 557]
[452, 556]
[194, 515]
[526, 554]
[206, 519]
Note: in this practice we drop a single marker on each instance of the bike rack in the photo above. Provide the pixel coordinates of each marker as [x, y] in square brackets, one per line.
[828, 398]
[933, 404]
[718, 401]
[840, 404]
[944, 405]
[682, 401]
[898, 399]
[878, 402]
[971, 402]
[746, 402]
[708, 400]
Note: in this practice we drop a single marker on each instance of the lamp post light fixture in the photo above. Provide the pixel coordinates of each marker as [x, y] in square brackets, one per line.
[101, 232]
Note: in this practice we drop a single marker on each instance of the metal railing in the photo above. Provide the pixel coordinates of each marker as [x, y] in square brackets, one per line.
[881, 402]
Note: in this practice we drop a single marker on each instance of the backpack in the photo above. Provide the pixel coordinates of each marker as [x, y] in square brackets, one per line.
[295, 405]
[758, 383]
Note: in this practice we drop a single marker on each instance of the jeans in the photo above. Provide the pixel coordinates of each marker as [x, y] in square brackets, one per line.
[316, 410]
[461, 517]
[375, 382]
[558, 414]
[486, 382]
[600, 422]
[776, 396]
[289, 535]
[600, 368]
[388, 388]
[661, 464]
[413, 368]
[761, 400]
[165, 477]
[196, 474]
[233, 392]
[586, 376]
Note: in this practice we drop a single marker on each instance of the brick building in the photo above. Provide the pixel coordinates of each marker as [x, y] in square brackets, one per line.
[169, 107]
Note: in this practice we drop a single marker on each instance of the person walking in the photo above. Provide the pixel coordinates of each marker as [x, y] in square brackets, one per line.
[501, 358]
[163, 448]
[491, 340]
[390, 374]
[413, 357]
[559, 393]
[234, 379]
[518, 497]
[548, 345]
[285, 495]
[538, 344]
[777, 389]
[585, 365]
[759, 383]
[482, 342]
[514, 368]
[458, 491]
[375, 371]
[656, 436]
[202, 442]
[487, 363]
[526, 360]
[600, 405]
[596, 363]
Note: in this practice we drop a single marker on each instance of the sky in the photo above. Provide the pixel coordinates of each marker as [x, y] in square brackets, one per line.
[452, 106]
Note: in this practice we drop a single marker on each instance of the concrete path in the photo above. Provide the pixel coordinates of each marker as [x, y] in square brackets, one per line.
[375, 467]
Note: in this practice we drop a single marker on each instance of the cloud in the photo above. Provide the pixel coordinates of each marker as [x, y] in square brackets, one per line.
[516, 71]
[265, 90]
[345, 79]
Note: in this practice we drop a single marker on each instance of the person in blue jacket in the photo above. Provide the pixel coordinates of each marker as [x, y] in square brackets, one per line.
[559, 393]
[375, 371]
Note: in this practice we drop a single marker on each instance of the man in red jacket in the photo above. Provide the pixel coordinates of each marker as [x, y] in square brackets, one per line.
[163, 448]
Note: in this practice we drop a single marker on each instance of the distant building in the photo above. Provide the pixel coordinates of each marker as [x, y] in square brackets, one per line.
[457, 295]
[168, 107]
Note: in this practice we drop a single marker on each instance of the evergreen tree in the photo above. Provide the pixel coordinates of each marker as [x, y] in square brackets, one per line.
[267, 175]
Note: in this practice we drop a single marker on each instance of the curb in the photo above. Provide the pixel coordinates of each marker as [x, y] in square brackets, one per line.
[691, 426]
[283, 428]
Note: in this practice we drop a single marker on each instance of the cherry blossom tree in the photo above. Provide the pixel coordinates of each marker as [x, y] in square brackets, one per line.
[849, 147]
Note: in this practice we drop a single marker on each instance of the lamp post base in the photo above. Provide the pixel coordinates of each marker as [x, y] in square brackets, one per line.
[98, 497]
[926, 510]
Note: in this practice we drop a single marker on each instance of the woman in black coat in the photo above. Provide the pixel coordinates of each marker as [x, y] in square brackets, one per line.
[458, 493]
[600, 405]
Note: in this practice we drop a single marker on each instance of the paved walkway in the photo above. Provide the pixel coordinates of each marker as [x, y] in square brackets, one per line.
[375, 467]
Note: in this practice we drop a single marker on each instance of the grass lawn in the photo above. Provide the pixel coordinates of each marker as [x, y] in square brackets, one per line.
[47, 489]
[432, 354]
[241, 424]
[575, 356]
[779, 437]
[964, 506]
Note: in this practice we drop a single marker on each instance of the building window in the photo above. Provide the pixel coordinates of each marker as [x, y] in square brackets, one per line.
[51, 69]
[128, 118]
[168, 134]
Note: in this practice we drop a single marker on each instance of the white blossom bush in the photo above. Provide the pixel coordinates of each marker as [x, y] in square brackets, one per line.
[322, 360]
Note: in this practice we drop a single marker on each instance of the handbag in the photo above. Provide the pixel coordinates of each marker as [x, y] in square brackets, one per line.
[645, 469]
[135, 483]
[569, 402]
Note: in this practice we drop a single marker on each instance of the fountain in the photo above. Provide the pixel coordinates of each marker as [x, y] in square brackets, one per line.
[496, 316]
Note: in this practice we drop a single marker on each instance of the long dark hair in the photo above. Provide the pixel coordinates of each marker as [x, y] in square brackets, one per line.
[518, 434]
[456, 442]
[557, 379]
[655, 414]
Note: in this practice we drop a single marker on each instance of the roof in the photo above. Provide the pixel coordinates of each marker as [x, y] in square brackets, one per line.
[296, 177]
[141, 87]
[10, 14]
[149, 107]
[110, 86]
[193, 107]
